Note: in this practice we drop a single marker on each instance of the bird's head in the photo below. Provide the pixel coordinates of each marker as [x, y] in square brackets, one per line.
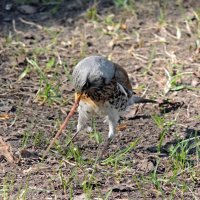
[92, 73]
[86, 80]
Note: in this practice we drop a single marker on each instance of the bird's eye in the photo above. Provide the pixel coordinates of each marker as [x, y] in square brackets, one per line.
[86, 85]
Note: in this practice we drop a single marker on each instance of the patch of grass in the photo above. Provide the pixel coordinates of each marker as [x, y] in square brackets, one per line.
[75, 153]
[64, 182]
[22, 194]
[26, 139]
[150, 61]
[96, 134]
[108, 195]
[163, 13]
[178, 186]
[197, 16]
[164, 126]
[180, 153]
[48, 91]
[37, 139]
[139, 180]
[25, 72]
[87, 186]
[162, 18]
[128, 5]
[91, 13]
[175, 77]
[114, 27]
[180, 169]
[7, 187]
[156, 181]
[120, 156]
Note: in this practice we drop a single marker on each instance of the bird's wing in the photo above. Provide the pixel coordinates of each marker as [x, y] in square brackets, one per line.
[124, 84]
[122, 89]
[122, 78]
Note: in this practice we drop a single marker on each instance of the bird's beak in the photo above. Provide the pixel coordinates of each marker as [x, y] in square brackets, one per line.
[78, 95]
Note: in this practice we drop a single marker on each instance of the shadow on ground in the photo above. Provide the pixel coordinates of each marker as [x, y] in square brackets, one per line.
[64, 12]
[187, 143]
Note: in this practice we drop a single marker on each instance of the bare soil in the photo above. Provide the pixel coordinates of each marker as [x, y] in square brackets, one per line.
[148, 47]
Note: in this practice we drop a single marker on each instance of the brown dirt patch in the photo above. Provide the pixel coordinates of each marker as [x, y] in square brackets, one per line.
[151, 40]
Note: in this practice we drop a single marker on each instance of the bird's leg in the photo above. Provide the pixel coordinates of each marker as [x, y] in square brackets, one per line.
[112, 122]
[84, 115]
[101, 152]
[82, 121]
[71, 140]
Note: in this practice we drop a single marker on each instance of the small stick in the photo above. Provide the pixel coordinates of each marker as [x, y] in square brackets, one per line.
[73, 109]
[72, 139]
[30, 23]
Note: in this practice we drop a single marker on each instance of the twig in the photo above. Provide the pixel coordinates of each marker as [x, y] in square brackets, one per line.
[15, 30]
[73, 109]
[168, 84]
[30, 23]
[72, 139]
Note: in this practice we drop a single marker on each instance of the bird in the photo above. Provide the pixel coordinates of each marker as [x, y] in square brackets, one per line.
[105, 90]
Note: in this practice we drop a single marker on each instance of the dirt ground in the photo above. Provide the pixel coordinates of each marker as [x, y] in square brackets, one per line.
[155, 154]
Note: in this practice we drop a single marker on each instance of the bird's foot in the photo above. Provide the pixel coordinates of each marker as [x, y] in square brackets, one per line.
[102, 151]
[89, 129]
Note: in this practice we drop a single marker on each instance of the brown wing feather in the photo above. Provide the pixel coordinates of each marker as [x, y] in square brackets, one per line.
[121, 77]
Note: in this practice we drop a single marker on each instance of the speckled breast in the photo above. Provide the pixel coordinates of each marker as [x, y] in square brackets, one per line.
[109, 93]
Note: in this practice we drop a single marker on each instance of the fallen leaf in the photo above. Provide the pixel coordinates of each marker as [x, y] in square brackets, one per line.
[145, 165]
[170, 174]
[195, 82]
[121, 127]
[133, 112]
[5, 116]
[6, 151]
[112, 43]
[21, 59]
[123, 26]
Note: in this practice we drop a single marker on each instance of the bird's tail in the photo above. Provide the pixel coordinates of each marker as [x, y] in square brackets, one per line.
[135, 99]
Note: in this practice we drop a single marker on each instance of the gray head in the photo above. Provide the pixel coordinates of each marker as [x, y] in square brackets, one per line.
[92, 72]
